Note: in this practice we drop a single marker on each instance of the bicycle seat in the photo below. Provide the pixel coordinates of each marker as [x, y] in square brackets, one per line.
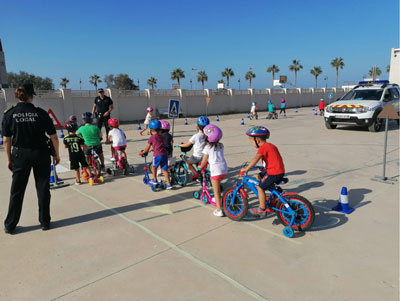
[282, 181]
[186, 149]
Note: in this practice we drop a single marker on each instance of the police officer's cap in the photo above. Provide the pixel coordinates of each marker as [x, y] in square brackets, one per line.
[29, 88]
[100, 90]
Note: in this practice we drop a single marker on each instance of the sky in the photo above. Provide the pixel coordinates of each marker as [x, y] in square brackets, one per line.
[76, 39]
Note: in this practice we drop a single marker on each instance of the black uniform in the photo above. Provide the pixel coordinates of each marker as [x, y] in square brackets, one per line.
[76, 155]
[27, 125]
[102, 106]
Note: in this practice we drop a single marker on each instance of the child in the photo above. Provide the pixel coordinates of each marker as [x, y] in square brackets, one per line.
[214, 154]
[118, 138]
[253, 110]
[92, 136]
[321, 106]
[76, 156]
[160, 154]
[198, 142]
[283, 107]
[274, 168]
[147, 120]
[168, 139]
[271, 109]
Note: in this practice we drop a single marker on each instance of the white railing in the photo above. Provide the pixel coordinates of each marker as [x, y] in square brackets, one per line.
[128, 93]
[195, 92]
[241, 92]
[306, 90]
[84, 93]
[166, 93]
[319, 90]
[292, 91]
[260, 92]
[219, 92]
[51, 93]
[275, 91]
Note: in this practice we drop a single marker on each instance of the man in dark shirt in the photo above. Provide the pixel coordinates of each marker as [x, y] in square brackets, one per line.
[102, 107]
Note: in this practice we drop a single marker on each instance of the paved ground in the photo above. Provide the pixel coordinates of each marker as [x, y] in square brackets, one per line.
[121, 241]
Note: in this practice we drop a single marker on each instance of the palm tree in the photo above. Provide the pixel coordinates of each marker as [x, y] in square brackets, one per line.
[249, 76]
[94, 80]
[316, 71]
[177, 74]
[337, 63]
[64, 82]
[274, 69]
[388, 68]
[227, 73]
[377, 71]
[202, 77]
[295, 67]
[152, 82]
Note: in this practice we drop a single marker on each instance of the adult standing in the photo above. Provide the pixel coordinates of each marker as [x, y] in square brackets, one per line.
[24, 129]
[102, 108]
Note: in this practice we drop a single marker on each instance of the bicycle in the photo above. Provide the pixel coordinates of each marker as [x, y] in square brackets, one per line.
[272, 115]
[95, 167]
[254, 115]
[293, 210]
[120, 164]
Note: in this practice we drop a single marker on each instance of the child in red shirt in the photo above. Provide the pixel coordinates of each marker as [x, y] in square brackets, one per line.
[274, 167]
[321, 106]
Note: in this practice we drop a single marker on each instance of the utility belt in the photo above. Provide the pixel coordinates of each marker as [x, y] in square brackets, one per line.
[100, 115]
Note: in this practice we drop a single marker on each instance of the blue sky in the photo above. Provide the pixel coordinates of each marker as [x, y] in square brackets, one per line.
[77, 39]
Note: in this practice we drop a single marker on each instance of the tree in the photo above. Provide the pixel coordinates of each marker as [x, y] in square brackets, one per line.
[202, 77]
[377, 71]
[337, 63]
[227, 73]
[316, 71]
[15, 80]
[295, 67]
[274, 69]
[388, 68]
[109, 80]
[94, 80]
[249, 76]
[152, 82]
[124, 82]
[221, 81]
[177, 74]
[64, 82]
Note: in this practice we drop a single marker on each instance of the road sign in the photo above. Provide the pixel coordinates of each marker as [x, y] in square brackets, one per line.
[388, 111]
[208, 99]
[330, 95]
[53, 117]
[173, 111]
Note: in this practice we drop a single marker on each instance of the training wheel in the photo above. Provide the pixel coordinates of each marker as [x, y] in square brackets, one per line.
[91, 183]
[153, 188]
[196, 195]
[145, 181]
[288, 232]
[101, 179]
[108, 171]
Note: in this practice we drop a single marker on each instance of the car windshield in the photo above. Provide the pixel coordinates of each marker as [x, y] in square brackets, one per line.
[369, 94]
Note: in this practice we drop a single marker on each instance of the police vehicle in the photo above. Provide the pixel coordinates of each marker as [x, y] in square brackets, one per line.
[361, 105]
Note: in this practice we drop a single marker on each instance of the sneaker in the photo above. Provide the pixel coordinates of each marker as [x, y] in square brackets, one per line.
[153, 182]
[78, 183]
[9, 231]
[169, 187]
[112, 159]
[195, 177]
[218, 213]
[258, 211]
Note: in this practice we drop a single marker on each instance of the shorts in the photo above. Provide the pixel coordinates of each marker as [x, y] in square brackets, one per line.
[194, 160]
[98, 149]
[146, 126]
[218, 177]
[74, 163]
[121, 147]
[267, 181]
[161, 161]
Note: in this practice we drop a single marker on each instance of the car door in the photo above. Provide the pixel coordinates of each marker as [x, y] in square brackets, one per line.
[395, 98]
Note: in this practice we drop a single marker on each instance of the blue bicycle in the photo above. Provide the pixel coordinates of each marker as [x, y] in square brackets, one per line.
[293, 210]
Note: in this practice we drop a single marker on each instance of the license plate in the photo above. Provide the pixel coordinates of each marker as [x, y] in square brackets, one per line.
[342, 116]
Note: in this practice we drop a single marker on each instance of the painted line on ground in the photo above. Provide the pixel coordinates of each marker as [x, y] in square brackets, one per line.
[179, 250]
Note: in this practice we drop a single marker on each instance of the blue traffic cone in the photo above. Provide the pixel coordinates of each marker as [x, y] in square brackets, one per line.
[242, 123]
[1, 139]
[297, 110]
[186, 123]
[52, 177]
[343, 205]
[217, 119]
[62, 134]
[139, 127]
[316, 114]
[248, 115]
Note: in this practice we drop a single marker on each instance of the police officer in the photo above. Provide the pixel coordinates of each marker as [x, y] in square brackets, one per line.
[24, 127]
[102, 107]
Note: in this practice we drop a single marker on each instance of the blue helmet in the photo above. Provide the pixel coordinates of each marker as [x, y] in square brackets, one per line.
[269, 101]
[258, 131]
[203, 121]
[87, 117]
[155, 124]
[253, 103]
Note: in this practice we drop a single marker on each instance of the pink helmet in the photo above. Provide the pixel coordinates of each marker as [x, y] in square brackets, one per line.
[149, 109]
[213, 133]
[165, 125]
[283, 100]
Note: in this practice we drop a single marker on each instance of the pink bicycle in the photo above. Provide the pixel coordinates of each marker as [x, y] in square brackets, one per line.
[203, 194]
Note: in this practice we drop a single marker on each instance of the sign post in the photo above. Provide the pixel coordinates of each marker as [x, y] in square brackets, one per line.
[388, 113]
[173, 113]
[208, 99]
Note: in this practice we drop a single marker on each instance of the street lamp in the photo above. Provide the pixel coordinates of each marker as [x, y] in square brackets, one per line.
[239, 83]
[191, 84]
[194, 77]
[326, 82]
[138, 85]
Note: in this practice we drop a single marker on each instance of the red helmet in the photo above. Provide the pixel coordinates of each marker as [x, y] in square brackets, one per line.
[113, 122]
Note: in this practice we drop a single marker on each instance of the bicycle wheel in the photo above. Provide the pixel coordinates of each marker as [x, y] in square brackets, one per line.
[180, 173]
[235, 206]
[303, 208]
[96, 168]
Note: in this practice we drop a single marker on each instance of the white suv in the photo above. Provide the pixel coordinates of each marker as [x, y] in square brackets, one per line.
[362, 104]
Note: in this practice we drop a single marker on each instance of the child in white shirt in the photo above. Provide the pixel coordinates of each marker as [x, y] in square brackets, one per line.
[147, 120]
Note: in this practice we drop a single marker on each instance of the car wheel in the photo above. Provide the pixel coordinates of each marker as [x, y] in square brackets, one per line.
[376, 125]
[330, 125]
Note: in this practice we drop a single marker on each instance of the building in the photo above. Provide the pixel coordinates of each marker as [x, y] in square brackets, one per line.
[394, 74]
[3, 69]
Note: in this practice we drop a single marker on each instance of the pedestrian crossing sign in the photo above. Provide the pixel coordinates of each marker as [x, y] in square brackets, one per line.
[173, 111]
